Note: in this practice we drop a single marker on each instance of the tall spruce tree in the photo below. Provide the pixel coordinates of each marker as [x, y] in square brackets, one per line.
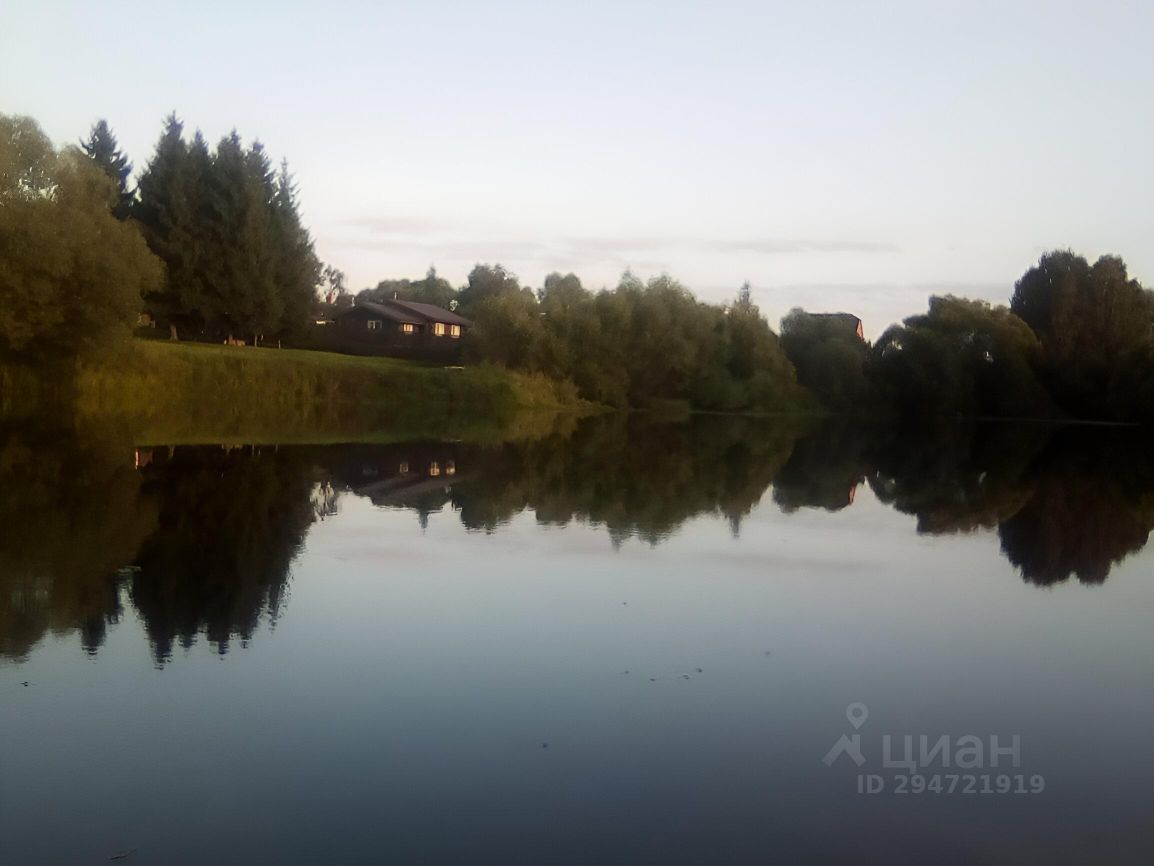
[240, 263]
[104, 150]
[230, 242]
[264, 301]
[167, 211]
[298, 270]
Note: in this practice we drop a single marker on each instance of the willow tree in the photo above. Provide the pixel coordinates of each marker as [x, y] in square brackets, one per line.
[1090, 320]
[962, 357]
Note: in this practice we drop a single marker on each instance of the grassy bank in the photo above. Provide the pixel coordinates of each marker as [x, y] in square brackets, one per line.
[181, 392]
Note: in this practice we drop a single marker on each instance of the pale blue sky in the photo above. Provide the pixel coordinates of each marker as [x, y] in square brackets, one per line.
[838, 155]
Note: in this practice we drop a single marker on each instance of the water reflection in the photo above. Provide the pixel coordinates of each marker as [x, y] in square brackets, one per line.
[71, 516]
[200, 540]
[229, 523]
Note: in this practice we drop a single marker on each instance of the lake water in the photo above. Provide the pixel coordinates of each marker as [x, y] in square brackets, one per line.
[629, 642]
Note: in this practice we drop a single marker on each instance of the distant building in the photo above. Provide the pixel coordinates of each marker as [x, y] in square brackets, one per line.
[402, 329]
[831, 324]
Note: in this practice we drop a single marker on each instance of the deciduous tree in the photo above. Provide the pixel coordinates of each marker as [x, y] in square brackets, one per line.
[71, 274]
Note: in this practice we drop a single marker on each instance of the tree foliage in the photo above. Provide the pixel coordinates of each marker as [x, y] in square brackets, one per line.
[1094, 323]
[638, 344]
[227, 224]
[102, 148]
[830, 358]
[71, 274]
[962, 357]
[430, 290]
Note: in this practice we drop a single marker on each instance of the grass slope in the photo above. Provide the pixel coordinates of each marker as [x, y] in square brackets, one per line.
[181, 392]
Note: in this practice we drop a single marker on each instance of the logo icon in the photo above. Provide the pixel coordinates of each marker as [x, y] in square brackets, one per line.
[850, 744]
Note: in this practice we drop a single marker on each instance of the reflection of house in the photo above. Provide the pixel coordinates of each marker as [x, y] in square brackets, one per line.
[837, 324]
[324, 499]
[411, 475]
[402, 328]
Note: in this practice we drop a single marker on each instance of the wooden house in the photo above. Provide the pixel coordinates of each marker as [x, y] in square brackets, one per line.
[401, 328]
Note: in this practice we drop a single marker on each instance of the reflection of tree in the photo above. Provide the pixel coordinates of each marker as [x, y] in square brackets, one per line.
[1065, 502]
[1092, 506]
[824, 470]
[956, 477]
[636, 477]
[209, 534]
[1061, 508]
[204, 537]
[231, 522]
[72, 514]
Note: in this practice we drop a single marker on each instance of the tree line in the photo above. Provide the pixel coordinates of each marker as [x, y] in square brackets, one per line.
[1077, 340]
[210, 242]
[226, 223]
[641, 343]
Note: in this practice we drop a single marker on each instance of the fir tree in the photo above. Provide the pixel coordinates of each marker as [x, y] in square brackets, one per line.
[240, 263]
[264, 300]
[298, 268]
[230, 310]
[103, 149]
[167, 213]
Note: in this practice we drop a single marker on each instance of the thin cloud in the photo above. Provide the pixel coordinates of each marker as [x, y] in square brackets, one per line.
[781, 246]
[388, 225]
[459, 238]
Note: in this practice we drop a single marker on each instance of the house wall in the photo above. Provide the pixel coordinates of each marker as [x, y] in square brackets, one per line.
[350, 334]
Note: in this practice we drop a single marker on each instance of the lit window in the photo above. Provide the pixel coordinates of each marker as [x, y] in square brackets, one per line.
[434, 468]
[450, 467]
[374, 324]
[403, 469]
[438, 329]
[408, 328]
[455, 331]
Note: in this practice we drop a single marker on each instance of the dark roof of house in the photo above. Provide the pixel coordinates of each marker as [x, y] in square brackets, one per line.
[845, 318]
[432, 312]
[409, 312]
[401, 316]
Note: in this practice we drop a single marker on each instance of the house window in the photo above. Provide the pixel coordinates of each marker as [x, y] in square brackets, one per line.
[450, 467]
[455, 331]
[438, 329]
[373, 324]
[403, 469]
[408, 328]
[434, 469]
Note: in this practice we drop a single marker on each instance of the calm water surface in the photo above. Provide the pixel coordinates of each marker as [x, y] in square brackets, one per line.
[628, 643]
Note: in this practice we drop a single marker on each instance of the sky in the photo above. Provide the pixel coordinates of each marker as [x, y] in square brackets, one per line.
[839, 156]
